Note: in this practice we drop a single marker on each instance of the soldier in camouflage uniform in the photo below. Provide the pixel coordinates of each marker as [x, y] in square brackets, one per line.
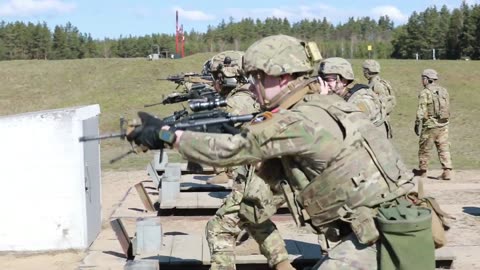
[249, 206]
[431, 124]
[323, 153]
[337, 75]
[381, 87]
[233, 86]
[226, 225]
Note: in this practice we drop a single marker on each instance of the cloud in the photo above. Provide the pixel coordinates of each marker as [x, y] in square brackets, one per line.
[25, 8]
[293, 13]
[393, 12]
[194, 15]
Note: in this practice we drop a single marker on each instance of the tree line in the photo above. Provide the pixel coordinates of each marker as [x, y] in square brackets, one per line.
[452, 34]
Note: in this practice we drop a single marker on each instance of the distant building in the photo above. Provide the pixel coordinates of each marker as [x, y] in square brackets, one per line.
[153, 56]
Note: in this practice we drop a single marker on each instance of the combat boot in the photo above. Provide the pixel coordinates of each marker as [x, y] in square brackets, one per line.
[284, 265]
[446, 175]
[420, 172]
[221, 178]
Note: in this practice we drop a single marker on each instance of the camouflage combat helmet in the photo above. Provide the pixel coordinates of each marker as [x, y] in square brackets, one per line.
[235, 57]
[336, 65]
[371, 65]
[277, 55]
[430, 73]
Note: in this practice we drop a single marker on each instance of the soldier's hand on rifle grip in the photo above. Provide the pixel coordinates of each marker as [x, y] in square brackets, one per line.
[146, 135]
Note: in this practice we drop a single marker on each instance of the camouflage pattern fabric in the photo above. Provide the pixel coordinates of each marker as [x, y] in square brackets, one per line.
[377, 86]
[387, 98]
[242, 101]
[260, 201]
[369, 103]
[224, 227]
[217, 60]
[426, 111]
[434, 130]
[277, 55]
[336, 65]
[221, 232]
[439, 137]
[312, 138]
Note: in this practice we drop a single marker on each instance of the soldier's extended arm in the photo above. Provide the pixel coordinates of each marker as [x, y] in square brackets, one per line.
[153, 135]
[277, 137]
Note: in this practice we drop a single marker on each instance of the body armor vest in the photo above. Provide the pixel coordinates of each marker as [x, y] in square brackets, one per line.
[365, 172]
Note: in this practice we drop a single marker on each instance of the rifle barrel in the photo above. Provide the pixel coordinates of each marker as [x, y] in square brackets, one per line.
[153, 104]
[101, 137]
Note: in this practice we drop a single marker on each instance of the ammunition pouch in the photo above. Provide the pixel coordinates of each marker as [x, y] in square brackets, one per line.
[362, 223]
[259, 202]
[439, 217]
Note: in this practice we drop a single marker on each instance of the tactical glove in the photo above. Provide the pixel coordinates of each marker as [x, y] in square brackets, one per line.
[417, 128]
[147, 136]
[150, 133]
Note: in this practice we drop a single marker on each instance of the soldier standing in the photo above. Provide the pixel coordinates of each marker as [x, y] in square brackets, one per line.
[381, 87]
[431, 124]
[333, 167]
[337, 75]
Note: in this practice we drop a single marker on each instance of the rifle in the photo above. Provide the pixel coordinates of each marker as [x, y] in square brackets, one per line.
[215, 121]
[189, 77]
[197, 92]
[126, 127]
[122, 134]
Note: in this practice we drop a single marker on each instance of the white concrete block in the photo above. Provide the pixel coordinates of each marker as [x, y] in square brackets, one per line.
[49, 181]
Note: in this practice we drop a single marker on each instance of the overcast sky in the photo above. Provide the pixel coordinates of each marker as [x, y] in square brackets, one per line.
[112, 18]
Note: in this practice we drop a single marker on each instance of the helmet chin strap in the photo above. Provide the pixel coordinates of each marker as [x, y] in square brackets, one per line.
[261, 88]
[294, 91]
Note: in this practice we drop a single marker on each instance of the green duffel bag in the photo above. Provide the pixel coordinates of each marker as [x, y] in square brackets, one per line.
[405, 237]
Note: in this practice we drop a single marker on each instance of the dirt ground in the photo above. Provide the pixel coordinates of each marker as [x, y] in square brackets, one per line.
[458, 197]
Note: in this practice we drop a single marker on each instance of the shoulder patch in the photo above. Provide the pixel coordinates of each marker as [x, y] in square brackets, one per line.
[262, 117]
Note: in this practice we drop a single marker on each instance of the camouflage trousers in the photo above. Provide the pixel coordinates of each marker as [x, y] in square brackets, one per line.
[349, 254]
[439, 137]
[223, 229]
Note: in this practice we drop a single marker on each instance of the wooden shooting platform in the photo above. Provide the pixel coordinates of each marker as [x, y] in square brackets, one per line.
[184, 244]
[189, 250]
[143, 200]
[190, 182]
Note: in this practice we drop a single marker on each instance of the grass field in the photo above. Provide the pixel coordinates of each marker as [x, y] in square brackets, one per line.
[123, 86]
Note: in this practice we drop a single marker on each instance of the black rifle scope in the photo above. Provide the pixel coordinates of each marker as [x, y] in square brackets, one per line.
[198, 106]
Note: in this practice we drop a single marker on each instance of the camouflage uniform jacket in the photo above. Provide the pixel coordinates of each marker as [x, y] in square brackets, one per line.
[242, 100]
[378, 88]
[385, 94]
[425, 108]
[367, 101]
[309, 140]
